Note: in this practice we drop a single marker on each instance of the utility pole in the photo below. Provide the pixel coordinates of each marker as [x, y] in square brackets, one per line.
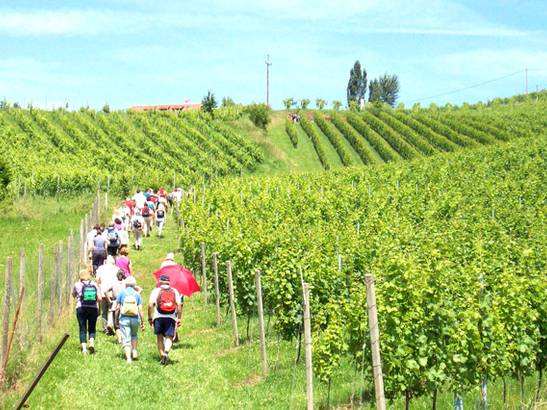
[526, 71]
[268, 64]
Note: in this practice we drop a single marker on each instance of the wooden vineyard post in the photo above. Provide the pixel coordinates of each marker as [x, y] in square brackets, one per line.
[7, 304]
[52, 289]
[375, 343]
[82, 243]
[232, 302]
[40, 292]
[307, 346]
[68, 273]
[106, 201]
[59, 273]
[261, 323]
[5, 357]
[204, 273]
[217, 289]
[22, 269]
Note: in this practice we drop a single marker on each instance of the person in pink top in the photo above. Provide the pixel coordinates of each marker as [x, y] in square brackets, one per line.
[124, 263]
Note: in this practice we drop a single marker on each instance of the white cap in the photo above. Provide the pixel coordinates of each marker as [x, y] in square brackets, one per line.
[170, 257]
[130, 281]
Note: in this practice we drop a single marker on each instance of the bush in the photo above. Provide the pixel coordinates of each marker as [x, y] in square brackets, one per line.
[259, 114]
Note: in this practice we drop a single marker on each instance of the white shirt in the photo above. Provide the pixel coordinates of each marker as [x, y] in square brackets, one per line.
[140, 200]
[167, 262]
[124, 237]
[107, 276]
[152, 301]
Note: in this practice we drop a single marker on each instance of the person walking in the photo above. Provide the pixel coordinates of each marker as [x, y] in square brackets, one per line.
[124, 263]
[137, 223]
[147, 217]
[129, 309]
[98, 250]
[113, 240]
[160, 218]
[87, 296]
[164, 313]
[106, 278]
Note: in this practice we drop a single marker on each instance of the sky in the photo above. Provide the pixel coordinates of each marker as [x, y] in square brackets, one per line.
[131, 52]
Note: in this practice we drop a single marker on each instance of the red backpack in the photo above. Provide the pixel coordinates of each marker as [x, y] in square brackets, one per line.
[166, 303]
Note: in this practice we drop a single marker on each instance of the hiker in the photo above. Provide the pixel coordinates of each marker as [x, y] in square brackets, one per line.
[139, 199]
[106, 277]
[160, 218]
[124, 263]
[98, 251]
[129, 310]
[137, 223]
[146, 213]
[113, 240]
[124, 238]
[164, 313]
[87, 296]
[169, 260]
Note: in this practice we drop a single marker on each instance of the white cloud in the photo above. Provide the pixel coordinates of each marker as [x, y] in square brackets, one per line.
[437, 17]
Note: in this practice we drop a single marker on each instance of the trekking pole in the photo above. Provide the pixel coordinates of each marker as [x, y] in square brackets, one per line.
[42, 371]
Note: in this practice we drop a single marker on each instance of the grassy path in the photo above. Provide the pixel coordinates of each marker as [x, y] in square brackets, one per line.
[206, 372]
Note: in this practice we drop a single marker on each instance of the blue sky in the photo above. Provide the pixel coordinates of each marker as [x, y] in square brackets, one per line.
[128, 52]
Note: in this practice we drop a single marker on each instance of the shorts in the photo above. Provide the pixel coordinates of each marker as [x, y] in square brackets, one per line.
[129, 327]
[164, 326]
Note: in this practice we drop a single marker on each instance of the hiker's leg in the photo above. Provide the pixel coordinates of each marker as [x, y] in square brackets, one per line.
[92, 323]
[167, 343]
[105, 307]
[159, 342]
[125, 328]
[82, 324]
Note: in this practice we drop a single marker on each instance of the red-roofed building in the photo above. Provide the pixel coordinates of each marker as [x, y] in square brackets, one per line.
[167, 107]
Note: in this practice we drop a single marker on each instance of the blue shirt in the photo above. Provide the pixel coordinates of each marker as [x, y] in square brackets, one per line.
[128, 291]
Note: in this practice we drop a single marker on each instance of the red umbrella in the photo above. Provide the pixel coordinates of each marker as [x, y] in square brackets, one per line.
[180, 278]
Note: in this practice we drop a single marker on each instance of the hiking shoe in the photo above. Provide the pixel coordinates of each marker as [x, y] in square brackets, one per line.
[92, 349]
[84, 351]
[134, 354]
[164, 359]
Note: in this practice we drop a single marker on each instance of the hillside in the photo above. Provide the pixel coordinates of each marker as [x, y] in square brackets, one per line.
[55, 152]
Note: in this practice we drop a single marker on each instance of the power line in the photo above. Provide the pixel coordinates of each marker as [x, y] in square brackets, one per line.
[469, 87]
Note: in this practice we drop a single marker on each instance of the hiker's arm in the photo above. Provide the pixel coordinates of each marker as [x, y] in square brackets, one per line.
[130, 267]
[179, 314]
[150, 307]
[138, 289]
[141, 314]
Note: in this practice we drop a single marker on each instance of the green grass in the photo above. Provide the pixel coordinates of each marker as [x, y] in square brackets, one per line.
[206, 371]
[281, 156]
[34, 221]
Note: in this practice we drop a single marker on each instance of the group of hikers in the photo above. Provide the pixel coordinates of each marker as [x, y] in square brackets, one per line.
[108, 288]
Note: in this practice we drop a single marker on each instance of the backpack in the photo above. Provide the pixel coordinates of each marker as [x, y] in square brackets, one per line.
[137, 224]
[89, 295]
[113, 239]
[166, 303]
[129, 306]
[160, 213]
[146, 211]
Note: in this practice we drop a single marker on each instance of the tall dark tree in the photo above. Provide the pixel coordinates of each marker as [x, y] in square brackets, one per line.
[384, 89]
[209, 103]
[357, 84]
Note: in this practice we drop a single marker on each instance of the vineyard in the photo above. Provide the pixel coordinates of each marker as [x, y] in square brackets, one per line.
[384, 135]
[456, 243]
[56, 152]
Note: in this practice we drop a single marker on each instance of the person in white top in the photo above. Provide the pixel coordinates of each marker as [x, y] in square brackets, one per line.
[161, 215]
[164, 313]
[169, 260]
[140, 199]
[106, 278]
[137, 224]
